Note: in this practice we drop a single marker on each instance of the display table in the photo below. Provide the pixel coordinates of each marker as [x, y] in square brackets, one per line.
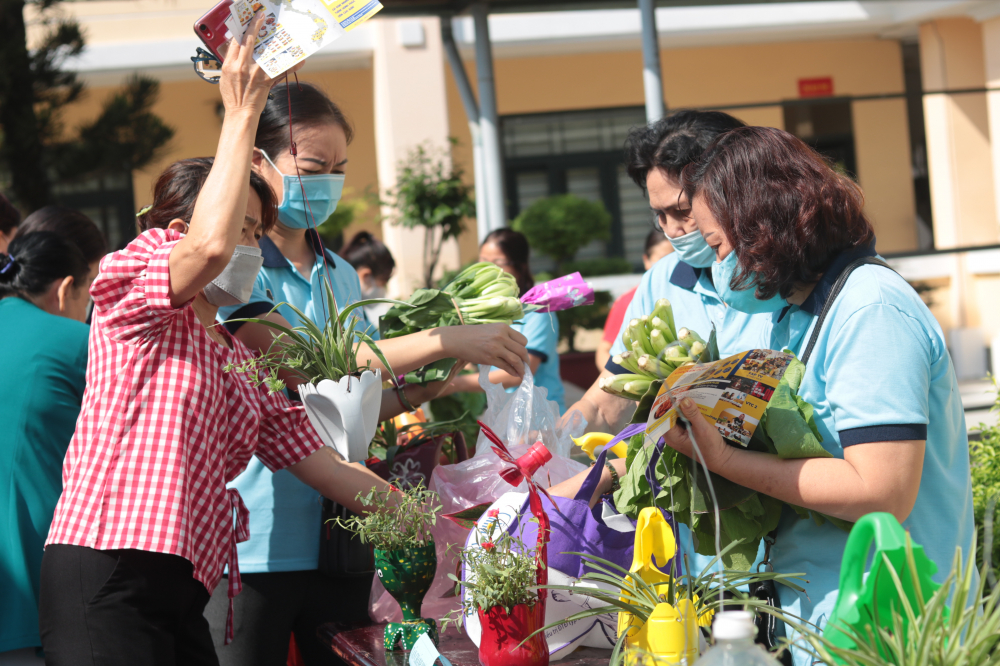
[362, 646]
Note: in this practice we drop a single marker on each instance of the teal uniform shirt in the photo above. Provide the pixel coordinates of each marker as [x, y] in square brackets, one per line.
[284, 512]
[542, 331]
[697, 306]
[44, 361]
[880, 371]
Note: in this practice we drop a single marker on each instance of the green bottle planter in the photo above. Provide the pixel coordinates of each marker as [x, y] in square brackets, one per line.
[407, 574]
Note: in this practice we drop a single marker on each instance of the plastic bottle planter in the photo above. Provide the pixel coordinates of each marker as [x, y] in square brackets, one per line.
[345, 413]
[502, 633]
[407, 574]
[669, 637]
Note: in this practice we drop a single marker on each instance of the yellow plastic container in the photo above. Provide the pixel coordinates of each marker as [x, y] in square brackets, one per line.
[592, 440]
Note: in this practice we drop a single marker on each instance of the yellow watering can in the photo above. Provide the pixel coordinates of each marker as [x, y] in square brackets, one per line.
[671, 633]
[592, 440]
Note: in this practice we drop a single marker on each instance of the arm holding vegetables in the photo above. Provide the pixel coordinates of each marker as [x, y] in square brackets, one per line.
[470, 383]
[877, 476]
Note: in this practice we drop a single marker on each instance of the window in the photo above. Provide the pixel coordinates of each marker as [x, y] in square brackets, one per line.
[578, 153]
[107, 200]
[828, 127]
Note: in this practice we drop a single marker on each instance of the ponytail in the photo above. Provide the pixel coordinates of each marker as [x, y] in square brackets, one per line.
[35, 260]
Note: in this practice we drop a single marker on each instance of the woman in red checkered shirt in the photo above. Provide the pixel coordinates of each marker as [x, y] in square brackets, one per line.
[145, 524]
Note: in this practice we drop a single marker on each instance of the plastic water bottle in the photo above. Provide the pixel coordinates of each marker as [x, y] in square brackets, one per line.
[734, 632]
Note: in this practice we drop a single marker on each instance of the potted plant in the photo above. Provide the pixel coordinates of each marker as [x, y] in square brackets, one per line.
[341, 399]
[398, 524]
[500, 587]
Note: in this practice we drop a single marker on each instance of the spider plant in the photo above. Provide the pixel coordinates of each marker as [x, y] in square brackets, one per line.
[967, 635]
[312, 351]
[709, 591]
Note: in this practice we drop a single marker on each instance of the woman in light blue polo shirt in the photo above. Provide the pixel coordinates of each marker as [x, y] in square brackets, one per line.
[284, 592]
[786, 228]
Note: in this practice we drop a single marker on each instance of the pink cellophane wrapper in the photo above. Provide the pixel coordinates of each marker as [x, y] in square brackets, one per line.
[520, 418]
[563, 293]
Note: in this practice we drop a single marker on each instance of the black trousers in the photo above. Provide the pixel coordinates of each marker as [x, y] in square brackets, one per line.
[122, 608]
[274, 605]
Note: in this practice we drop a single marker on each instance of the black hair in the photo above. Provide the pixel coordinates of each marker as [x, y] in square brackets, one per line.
[70, 224]
[514, 246]
[10, 217]
[177, 190]
[34, 261]
[368, 251]
[673, 142]
[654, 238]
[305, 104]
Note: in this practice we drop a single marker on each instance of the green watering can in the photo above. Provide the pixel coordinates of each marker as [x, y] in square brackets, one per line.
[864, 602]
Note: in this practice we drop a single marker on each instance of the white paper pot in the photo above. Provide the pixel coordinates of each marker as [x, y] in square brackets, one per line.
[345, 418]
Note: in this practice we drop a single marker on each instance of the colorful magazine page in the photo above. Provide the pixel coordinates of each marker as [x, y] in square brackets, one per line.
[732, 393]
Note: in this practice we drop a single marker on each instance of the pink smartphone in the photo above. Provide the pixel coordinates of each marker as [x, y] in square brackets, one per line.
[211, 28]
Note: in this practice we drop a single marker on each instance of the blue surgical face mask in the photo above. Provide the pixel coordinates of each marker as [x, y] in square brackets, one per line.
[322, 191]
[744, 300]
[693, 250]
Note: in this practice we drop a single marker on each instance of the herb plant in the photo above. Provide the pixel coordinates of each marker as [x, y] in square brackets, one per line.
[397, 518]
[503, 573]
[311, 351]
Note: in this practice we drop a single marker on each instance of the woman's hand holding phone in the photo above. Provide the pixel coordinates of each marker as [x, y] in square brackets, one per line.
[244, 85]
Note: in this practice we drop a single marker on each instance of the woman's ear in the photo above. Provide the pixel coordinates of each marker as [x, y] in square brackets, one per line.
[63, 293]
[256, 159]
[178, 225]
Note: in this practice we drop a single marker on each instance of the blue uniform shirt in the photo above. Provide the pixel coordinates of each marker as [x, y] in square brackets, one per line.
[880, 371]
[284, 512]
[697, 306]
[542, 331]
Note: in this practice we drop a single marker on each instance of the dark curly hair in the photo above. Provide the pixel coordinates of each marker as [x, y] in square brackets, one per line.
[786, 212]
[673, 142]
[177, 189]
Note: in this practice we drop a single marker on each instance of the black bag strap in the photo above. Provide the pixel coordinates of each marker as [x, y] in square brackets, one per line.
[838, 286]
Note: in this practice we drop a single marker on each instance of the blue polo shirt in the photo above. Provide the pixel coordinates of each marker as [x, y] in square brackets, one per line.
[880, 371]
[697, 306]
[284, 512]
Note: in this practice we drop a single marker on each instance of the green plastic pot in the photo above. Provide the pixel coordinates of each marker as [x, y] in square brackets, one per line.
[407, 574]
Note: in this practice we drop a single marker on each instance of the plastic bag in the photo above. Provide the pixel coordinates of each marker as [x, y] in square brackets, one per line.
[520, 418]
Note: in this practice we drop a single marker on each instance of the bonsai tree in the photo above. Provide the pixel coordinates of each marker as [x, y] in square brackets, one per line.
[559, 226]
[430, 194]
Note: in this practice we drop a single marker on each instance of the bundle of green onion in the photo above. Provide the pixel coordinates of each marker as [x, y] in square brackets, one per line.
[654, 349]
[481, 294]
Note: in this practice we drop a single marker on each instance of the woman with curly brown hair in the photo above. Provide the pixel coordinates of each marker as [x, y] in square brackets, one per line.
[791, 237]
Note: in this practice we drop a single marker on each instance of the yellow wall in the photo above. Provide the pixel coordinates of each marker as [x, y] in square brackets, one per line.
[729, 76]
[190, 107]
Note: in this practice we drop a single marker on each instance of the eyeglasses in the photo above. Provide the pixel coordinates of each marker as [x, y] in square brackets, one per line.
[207, 66]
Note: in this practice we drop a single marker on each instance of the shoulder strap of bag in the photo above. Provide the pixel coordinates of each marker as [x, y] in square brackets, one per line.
[838, 286]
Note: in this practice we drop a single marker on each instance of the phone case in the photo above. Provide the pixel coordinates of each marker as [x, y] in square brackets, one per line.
[211, 28]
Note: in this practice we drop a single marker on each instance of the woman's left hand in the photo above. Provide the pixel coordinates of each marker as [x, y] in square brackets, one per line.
[713, 449]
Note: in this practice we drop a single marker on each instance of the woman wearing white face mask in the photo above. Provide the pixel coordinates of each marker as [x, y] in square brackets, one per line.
[287, 592]
[145, 524]
[374, 263]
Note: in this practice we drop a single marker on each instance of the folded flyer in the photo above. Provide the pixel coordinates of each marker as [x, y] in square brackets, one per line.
[293, 30]
[732, 393]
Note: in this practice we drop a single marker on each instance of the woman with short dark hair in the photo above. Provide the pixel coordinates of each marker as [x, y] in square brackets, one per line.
[787, 231]
[44, 282]
[374, 264]
[71, 225]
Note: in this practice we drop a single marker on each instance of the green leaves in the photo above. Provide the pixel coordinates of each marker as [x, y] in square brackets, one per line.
[395, 519]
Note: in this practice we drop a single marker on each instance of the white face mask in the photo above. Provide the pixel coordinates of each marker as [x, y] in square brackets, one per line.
[235, 283]
[372, 289]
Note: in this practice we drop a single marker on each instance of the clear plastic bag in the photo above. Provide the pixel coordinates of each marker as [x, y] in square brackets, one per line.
[520, 418]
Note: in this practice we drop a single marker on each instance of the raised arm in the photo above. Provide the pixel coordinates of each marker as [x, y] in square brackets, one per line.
[217, 222]
[604, 412]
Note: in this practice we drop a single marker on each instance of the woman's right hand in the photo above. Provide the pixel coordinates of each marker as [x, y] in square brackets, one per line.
[244, 85]
[487, 344]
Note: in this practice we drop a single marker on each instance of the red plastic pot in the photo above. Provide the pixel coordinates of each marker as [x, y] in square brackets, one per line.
[502, 633]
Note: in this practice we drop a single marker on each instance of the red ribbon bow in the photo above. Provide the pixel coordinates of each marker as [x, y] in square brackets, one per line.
[523, 469]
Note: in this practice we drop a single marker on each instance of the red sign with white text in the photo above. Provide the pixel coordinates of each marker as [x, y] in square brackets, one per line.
[819, 87]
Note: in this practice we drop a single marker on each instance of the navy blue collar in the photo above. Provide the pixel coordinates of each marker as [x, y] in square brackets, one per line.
[274, 259]
[685, 276]
[821, 292]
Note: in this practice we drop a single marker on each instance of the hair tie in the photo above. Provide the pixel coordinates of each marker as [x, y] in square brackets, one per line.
[10, 262]
[144, 211]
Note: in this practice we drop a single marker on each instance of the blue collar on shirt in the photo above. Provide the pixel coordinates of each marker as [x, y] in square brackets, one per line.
[821, 292]
[685, 276]
[274, 259]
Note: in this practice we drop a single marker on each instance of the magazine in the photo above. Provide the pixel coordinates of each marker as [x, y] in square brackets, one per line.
[293, 30]
[732, 393]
